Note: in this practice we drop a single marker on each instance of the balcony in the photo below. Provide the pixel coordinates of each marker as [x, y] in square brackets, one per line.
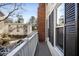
[27, 48]
[31, 47]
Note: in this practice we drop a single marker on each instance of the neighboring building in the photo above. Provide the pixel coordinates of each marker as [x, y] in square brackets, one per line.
[2, 16]
[61, 33]
[8, 20]
[17, 29]
[29, 28]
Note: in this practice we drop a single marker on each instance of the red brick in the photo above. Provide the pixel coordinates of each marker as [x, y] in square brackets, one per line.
[41, 22]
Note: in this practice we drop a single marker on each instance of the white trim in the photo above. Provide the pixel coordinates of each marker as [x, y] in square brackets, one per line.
[32, 36]
[55, 20]
[50, 48]
[54, 50]
[58, 51]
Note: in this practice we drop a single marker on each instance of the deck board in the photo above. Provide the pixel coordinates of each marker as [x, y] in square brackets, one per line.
[42, 49]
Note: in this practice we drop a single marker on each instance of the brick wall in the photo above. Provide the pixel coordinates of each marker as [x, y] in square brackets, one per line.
[41, 22]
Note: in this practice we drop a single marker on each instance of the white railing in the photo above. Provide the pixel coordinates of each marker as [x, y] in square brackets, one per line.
[27, 48]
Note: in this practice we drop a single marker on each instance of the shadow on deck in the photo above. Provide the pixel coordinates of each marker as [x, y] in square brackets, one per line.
[42, 49]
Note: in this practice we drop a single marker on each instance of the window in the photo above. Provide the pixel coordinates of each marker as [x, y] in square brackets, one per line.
[59, 27]
[60, 15]
[10, 28]
[17, 28]
[51, 28]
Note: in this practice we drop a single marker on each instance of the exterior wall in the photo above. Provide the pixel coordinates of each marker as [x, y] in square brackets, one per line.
[1, 24]
[29, 29]
[1, 27]
[41, 22]
[12, 29]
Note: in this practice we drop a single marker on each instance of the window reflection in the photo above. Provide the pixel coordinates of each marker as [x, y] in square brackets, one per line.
[60, 15]
[59, 27]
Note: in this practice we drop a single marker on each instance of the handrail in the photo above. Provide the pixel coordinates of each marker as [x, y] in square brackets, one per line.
[32, 36]
[16, 49]
[21, 46]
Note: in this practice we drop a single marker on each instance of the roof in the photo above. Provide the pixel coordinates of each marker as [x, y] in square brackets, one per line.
[1, 14]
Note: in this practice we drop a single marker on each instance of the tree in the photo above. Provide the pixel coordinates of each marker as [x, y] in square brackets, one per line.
[4, 4]
[61, 21]
[33, 21]
[16, 7]
[20, 19]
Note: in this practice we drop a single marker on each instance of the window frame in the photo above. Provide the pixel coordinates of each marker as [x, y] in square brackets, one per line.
[59, 27]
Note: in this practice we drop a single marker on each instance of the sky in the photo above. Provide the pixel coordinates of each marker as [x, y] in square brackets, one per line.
[29, 9]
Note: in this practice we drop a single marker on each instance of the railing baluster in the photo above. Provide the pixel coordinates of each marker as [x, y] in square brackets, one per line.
[27, 48]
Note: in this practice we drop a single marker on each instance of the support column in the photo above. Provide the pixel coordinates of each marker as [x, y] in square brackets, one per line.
[41, 22]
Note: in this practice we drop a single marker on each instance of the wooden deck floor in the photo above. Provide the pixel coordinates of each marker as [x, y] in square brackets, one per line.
[42, 49]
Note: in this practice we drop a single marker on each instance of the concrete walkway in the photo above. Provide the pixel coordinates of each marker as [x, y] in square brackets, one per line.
[42, 49]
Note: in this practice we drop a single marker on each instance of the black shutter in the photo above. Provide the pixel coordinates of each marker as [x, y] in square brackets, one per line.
[51, 29]
[70, 30]
[77, 29]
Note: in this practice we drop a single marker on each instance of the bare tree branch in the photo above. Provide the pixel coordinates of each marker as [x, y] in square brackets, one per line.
[4, 4]
[16, 7]
[9, 14]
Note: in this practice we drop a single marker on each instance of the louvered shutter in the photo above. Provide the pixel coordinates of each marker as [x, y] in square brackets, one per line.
[70, 30]
[77, 29]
